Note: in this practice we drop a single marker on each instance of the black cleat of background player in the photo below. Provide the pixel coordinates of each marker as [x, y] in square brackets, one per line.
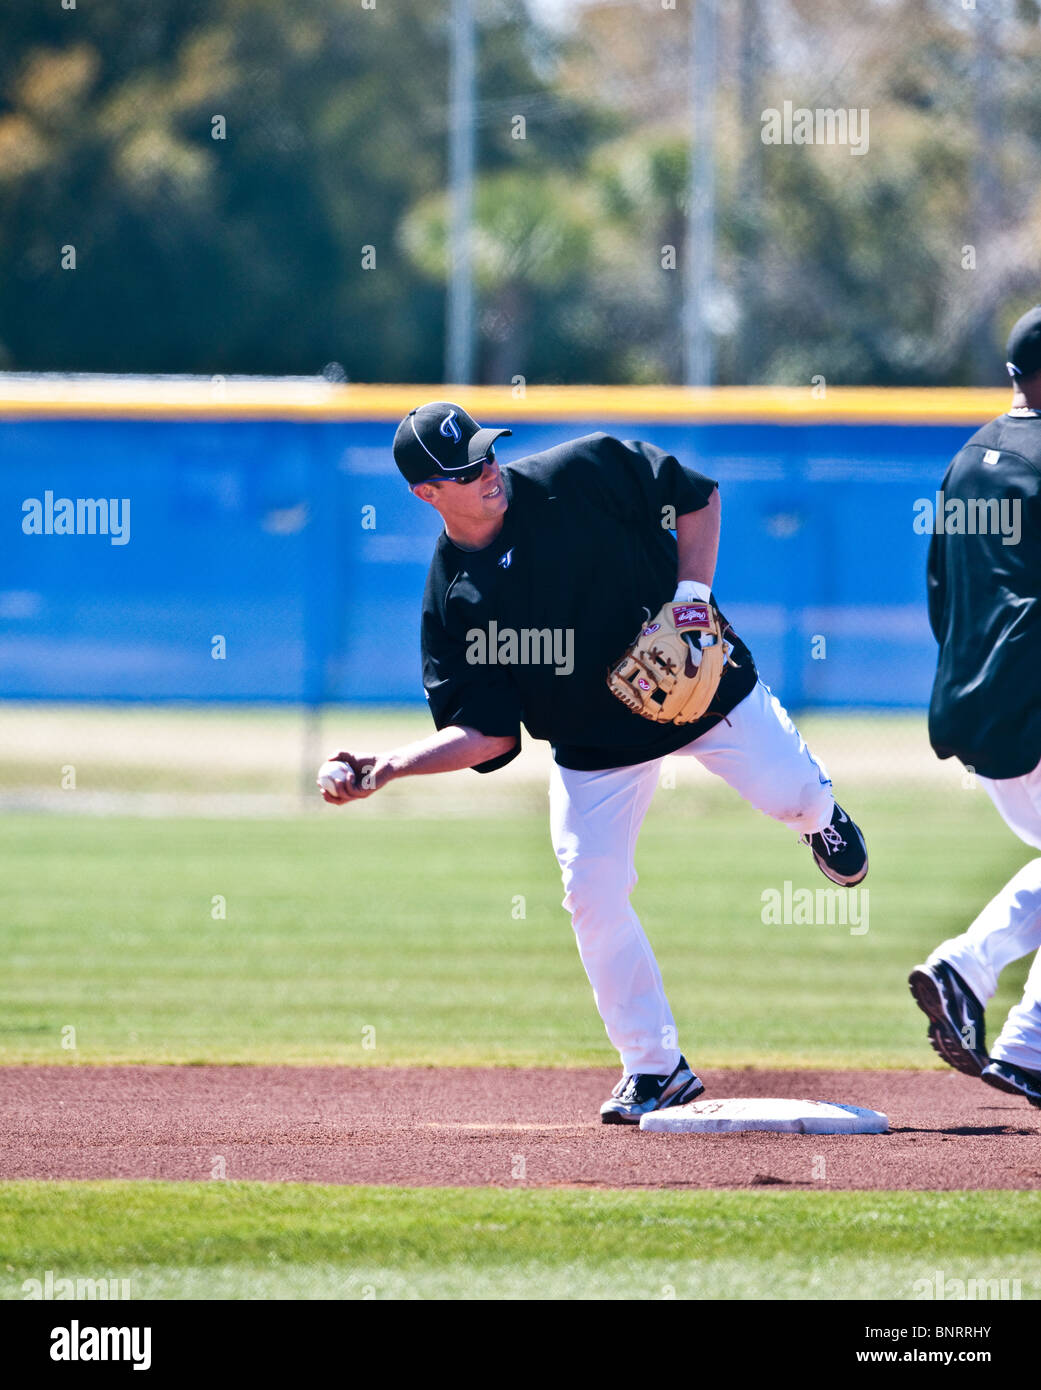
[1014, 1081]
[956, 1024]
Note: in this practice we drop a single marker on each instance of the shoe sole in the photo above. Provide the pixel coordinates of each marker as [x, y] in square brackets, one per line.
[837, 878]
[615, 1117]
[944, 1037]
[1010, 1089]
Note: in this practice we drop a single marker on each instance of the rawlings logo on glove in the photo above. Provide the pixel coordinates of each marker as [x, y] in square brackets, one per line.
[672, 671]
[690, 615]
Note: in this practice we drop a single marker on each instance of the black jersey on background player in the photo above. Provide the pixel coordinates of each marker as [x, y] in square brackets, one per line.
[985, 605]
[584, 555]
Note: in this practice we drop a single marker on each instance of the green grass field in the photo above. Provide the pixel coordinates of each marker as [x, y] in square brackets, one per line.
[255, 1240]
[434, 918]
[339, 923]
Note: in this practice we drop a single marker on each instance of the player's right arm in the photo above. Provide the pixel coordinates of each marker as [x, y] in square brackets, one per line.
[357, 775]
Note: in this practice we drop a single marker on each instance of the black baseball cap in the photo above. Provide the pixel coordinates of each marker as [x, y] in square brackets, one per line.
[1023, 353]
[440, 439]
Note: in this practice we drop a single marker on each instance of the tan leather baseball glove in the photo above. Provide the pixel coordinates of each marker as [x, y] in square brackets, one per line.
[672, 670]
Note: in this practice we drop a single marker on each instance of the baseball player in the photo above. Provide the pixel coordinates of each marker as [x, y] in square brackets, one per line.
[985, 609]
[545, 570]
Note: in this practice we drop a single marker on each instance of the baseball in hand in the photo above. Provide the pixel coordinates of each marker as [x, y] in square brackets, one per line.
[335, 778]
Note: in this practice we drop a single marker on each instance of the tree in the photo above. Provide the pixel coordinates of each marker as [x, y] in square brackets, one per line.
[231, 176]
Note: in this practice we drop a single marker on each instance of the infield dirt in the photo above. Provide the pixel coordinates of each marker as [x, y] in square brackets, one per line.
[494, 1127]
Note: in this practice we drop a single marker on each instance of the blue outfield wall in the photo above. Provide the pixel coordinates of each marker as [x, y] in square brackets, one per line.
[252, 531]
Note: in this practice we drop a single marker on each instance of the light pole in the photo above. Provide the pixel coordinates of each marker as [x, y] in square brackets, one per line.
[459, 308]
[699, 257]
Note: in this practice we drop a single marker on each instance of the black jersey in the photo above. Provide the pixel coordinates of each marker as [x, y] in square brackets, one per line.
[523, 631]
[985, 602]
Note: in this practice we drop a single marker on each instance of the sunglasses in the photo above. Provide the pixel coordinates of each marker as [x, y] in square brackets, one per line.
[465, 476]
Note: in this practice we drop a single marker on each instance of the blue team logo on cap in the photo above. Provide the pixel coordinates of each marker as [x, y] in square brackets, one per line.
[450, 429]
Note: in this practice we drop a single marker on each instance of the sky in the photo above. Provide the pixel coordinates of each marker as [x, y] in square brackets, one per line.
[554, 12]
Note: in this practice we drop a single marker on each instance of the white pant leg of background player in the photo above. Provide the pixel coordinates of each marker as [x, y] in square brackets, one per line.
[1009, 927]
[596, 818]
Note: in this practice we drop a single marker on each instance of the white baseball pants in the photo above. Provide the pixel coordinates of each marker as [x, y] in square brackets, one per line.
[595, 819]
[1008, 927]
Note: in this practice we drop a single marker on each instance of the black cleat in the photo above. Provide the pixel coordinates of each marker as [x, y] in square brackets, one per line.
[956, 1027]
[638, 1095]
[1016, 1081]
[839, 850]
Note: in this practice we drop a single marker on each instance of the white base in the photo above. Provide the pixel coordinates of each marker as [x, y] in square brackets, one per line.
[776, 1116]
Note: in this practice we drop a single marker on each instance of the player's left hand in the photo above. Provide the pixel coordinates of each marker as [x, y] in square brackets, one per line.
[672, 671]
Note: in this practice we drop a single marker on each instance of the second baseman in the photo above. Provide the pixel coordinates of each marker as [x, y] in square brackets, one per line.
[545, 568]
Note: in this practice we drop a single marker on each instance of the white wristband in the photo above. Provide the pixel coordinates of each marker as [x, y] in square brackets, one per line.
[689, 589]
